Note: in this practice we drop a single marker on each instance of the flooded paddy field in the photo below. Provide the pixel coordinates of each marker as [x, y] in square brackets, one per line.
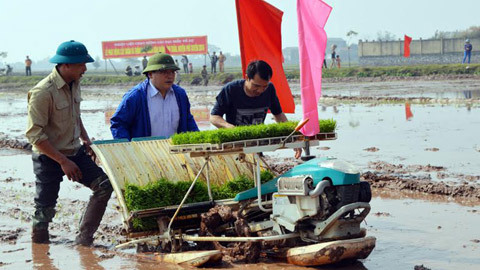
[425, 173]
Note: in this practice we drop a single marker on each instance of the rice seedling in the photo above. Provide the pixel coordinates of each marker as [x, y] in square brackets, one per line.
[246, 133]
[165, 193]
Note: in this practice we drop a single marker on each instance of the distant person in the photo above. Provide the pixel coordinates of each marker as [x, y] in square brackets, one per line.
[155, 107]
[325, 60]
[144, 62]
[338, 60]
[190, 67]
[221, 61]
[128, 71]
[28, 67]
[213, 61]
[185, 63]
[137, 71]
[8, 70]
[333, 56]
[61, 145]
[178, 75]
[467, 51]
[205, 75]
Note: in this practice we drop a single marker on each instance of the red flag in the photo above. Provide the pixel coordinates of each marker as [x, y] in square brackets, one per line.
[259, 30]
[406, 46]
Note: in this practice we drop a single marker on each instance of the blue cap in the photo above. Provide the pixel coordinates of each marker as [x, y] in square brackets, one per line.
[71, 52]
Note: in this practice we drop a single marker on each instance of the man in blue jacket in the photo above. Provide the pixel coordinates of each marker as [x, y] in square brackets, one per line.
[155, 107]
[467, 51]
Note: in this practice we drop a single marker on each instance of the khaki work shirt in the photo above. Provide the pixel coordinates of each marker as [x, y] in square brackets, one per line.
[54, 114]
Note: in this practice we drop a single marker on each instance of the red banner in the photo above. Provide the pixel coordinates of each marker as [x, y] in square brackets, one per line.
[141, 47]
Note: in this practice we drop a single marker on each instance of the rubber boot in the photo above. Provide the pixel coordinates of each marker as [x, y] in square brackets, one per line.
[40, 220]
[40, 233]
[94, 212]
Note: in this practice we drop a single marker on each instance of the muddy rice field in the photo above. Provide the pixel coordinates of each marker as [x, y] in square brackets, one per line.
[424, 171]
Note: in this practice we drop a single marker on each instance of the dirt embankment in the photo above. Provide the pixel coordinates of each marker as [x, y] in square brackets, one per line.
[386, 176]
[422, 100]
[195, 80]
[398, 177]
[438, 77]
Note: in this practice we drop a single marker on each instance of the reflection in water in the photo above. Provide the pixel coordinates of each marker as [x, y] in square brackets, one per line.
[346, 265]
[471, 94]
[408, 194]
[408, 111]
[41, 257]
[353, 121]
[467, 94]
[42, 261]
[88, 258]
[335, 110]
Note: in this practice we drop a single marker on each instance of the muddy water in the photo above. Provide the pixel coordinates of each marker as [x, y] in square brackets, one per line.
[452, 130]
[411, 228]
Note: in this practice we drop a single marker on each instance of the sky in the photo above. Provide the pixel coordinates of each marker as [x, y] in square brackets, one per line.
[36, 28]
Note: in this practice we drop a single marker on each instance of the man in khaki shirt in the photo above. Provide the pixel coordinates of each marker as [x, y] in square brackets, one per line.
[221, 61]
[55, 130]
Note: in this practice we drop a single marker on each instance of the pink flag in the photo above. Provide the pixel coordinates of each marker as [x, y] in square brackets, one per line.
[312, 17]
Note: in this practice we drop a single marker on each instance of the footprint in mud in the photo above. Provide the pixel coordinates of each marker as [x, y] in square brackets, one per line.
[382, 214]
[10, 236]
[371, 149]
[433, 149]
[9, 179]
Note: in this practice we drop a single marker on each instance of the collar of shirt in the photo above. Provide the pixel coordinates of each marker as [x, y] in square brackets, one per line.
[153, 91]
[57, 78]
[60, 82]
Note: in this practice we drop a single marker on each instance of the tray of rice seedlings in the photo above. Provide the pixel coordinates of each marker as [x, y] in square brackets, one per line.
[245, 136]
[163, 193]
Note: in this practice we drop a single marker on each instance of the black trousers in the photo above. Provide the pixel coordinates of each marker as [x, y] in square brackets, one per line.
[49, 175]
[214, 68]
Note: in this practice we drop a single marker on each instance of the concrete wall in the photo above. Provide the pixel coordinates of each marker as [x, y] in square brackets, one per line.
[291, 55]
[430, 51]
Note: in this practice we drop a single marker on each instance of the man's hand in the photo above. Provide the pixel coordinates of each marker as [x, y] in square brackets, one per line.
[71, 170]
[298, 152]
[219, 122]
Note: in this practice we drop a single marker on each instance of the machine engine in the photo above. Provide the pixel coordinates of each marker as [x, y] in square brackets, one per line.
[301, 206]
